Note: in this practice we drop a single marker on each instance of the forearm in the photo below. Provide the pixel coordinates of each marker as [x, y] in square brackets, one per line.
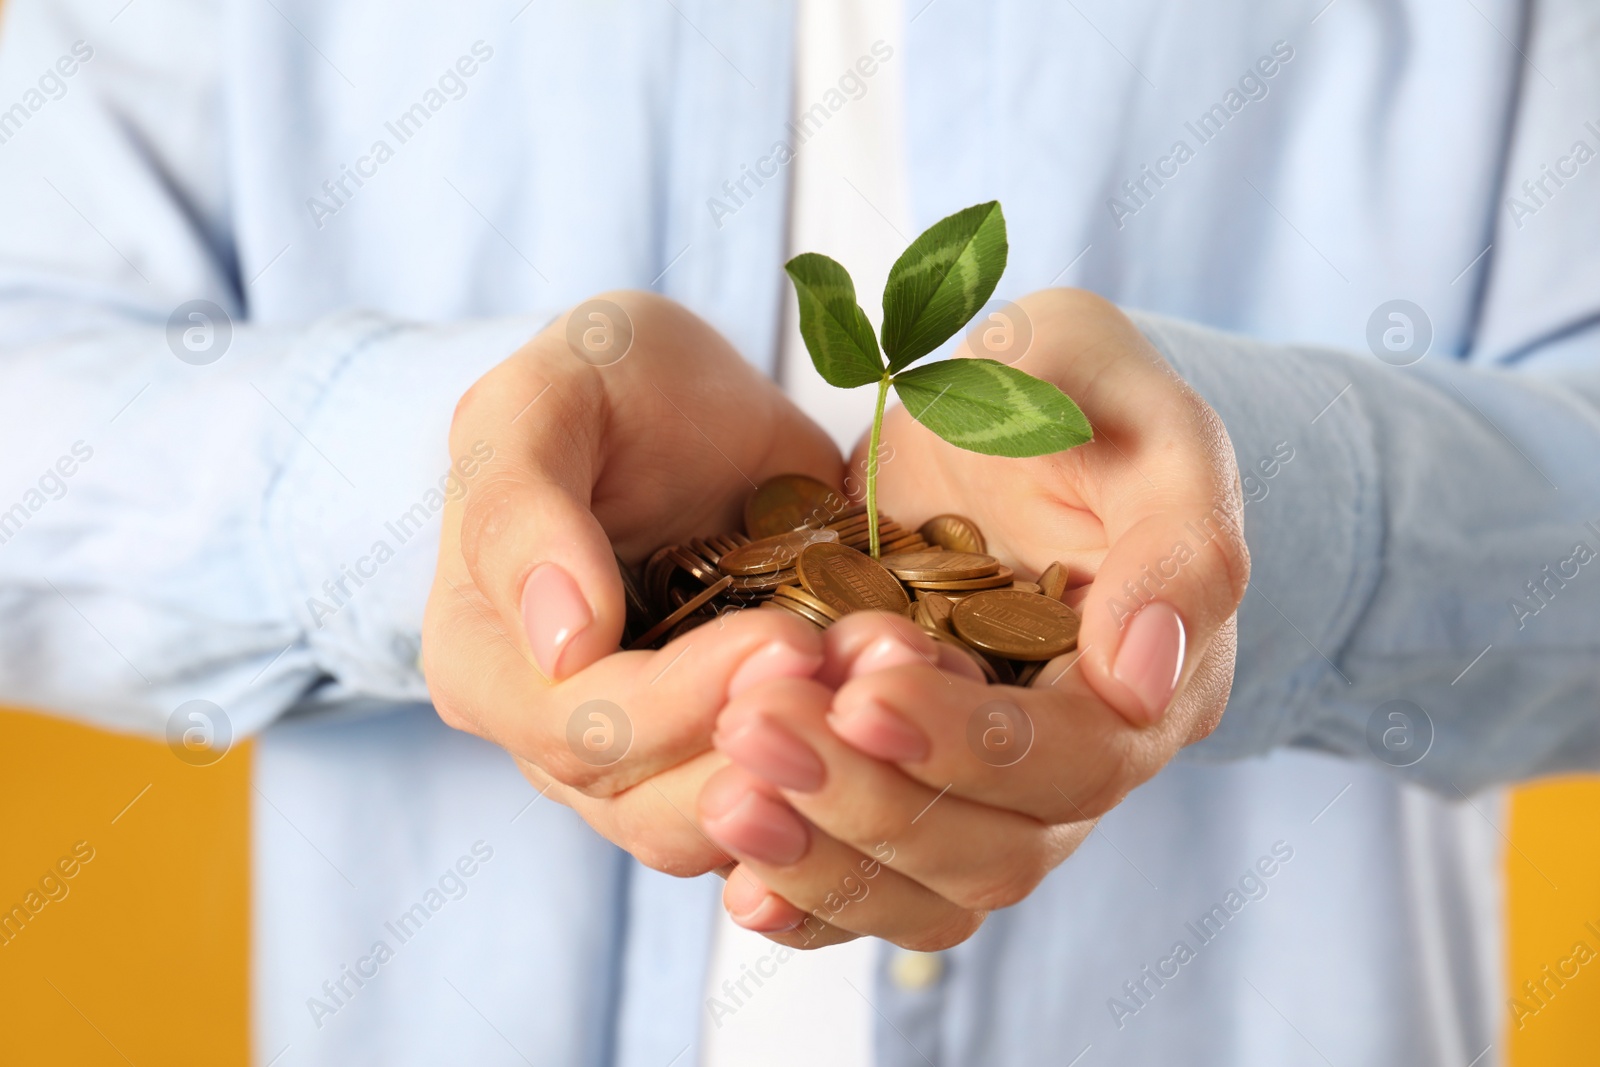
[239, 532]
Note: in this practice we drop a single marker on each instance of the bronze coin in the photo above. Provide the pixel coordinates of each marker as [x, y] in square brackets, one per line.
[1025, 626]
[949, 566]
[1026, 587]
[789, 502]
[848, 581]
[909, 543]
[771, 554]
[658, 577]
[759, 584]
[1053, 582]
[815, 618]
[937, 608]
[999, 580]
[703, 570]
[632, 591]
[955, 532]
[703, 598]
[1027, 672]
[798, 595]
[1005, 673]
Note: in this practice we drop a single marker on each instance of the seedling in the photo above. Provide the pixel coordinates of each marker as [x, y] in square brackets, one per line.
[934, 288]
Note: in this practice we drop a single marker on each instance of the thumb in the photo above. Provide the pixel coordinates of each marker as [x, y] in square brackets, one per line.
[1168, 583]
[530, 542]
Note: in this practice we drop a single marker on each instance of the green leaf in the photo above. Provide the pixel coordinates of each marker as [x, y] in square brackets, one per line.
[941, 281]
[835, 329]
[988, 407]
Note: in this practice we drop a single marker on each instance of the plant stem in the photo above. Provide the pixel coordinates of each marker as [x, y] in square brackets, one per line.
[872, 465]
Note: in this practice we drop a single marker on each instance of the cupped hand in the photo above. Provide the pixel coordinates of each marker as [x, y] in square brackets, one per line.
[960, 797]
[523, 621]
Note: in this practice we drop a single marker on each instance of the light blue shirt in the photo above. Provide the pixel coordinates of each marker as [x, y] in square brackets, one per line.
[386, 203]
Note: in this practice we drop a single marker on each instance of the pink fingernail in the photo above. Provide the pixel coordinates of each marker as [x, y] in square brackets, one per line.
[553, 612]
[1151, 657]
[881, 733]
[760, 828]
[775, 660]
[888, 652]
[773, 915]
[764, 748]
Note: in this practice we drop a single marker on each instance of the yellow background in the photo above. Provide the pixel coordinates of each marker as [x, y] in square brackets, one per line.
[146, 960]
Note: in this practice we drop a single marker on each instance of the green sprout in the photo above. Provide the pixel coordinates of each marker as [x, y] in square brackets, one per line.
[934, 288]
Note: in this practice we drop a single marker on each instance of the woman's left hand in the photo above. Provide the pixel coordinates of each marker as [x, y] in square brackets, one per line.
[896, 794]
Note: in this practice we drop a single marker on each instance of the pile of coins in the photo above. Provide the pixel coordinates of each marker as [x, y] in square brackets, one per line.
[805, 551]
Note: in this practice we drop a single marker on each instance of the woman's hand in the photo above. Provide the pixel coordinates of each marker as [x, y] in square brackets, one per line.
[960, 797]
[526, 611]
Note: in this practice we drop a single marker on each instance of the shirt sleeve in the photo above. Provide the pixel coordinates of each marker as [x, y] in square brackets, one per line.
[1426, 582]
[1426, 535]
[192, 505]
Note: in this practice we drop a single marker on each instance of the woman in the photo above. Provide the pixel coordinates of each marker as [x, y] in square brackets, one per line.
[380, 214]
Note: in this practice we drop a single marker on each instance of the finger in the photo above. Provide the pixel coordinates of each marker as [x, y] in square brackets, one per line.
[525, 531]
[868, 641]
[653, 820]
[1177, 564]
[830, 881]
[752, 905]
[619, 721]
[1059, 754]
[977, 856]
[627, 453]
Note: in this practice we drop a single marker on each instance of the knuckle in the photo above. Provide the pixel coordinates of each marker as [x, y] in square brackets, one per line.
[1120, 772]
[486, 514]
[866, 825]
[452, 716]
[1014, 880]
[553, 756]
[945, 933]
[680, 861]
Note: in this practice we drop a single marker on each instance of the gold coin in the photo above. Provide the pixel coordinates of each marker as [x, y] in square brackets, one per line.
[1016, 625]
[770, 554]
[955, 532]
[847, 580]
[951, 566]
[689, 607]
[1053, 582]
[789, 502]
[798, 595]
[999, 580]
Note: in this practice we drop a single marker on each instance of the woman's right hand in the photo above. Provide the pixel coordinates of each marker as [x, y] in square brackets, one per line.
[526, 610]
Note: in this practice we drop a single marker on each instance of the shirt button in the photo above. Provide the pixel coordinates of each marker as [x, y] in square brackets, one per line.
[914, 971]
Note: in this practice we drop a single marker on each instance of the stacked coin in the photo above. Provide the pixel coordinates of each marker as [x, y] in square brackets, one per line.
[805, 552]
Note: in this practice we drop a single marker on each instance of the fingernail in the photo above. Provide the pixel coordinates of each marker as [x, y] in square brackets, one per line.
[772, 916]
[553, 612]
[764, 748]
[775, 660]
[874, 729]
[760, 828]
[886, 652]
[1151, 657]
